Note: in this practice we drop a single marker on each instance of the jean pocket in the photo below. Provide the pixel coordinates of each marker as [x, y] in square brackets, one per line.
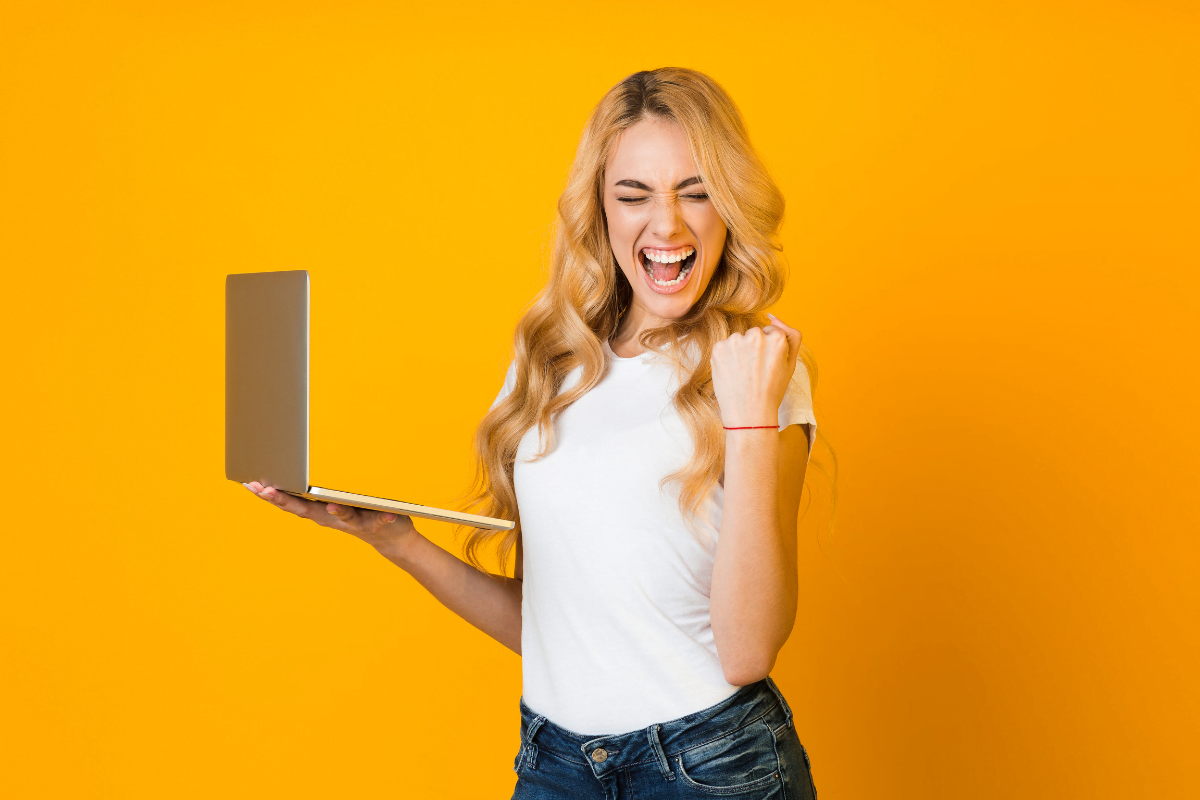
[742, 761]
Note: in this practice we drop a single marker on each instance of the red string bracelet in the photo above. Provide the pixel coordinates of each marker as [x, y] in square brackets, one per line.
[751, 427]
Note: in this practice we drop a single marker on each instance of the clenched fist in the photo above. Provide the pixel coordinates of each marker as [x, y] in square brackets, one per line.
[751, 371]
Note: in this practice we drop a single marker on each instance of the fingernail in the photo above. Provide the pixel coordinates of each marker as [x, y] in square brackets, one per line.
[772, 316]
[389, 518]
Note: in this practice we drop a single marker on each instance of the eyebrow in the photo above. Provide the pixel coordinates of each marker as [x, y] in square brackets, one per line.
[632, 184]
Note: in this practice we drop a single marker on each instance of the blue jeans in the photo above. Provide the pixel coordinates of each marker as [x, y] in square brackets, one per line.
[743, 747]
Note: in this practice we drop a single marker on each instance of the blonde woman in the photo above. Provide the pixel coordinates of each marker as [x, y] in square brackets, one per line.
[651, 438]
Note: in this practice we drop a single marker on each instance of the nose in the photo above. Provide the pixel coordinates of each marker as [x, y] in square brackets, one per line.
[667, 219]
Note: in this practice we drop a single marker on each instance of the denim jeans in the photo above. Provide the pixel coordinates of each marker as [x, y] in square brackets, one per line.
[746, 746]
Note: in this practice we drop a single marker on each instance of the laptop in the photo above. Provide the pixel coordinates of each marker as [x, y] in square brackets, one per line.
[266, 396]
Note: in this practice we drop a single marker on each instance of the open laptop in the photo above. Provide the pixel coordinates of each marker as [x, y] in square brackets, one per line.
[266, 395]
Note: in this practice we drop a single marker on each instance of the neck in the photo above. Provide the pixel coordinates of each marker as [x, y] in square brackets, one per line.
[626, 341]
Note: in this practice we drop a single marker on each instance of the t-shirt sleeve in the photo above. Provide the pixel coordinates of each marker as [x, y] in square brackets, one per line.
[796, 408]
[510, 380]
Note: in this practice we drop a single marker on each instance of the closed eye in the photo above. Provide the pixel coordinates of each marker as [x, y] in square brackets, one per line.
[693, 196]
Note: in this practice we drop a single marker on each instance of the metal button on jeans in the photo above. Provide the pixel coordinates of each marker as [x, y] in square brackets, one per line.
[599, 755]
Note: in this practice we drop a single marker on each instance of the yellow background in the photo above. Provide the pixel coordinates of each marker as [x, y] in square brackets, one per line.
[992, 228]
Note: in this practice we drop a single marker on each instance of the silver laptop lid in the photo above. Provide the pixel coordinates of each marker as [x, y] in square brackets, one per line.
[266, 379]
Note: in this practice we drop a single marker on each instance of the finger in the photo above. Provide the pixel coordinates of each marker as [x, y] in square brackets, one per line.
[289, 503]
[783, 326]
[360, 518]
[779, 339]
[382, 519]
[350, 512]
[794, 338]
[346, 514]
[262, 490]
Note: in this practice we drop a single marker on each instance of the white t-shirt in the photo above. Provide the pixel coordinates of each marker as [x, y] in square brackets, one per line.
[615, 630]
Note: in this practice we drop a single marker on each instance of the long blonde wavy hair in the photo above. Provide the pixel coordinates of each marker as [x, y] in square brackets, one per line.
[586, 294]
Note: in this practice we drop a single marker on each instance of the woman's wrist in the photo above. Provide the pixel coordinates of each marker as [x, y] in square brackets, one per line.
[754, 418]
[760, 413]
[749, 433]
[399, 547]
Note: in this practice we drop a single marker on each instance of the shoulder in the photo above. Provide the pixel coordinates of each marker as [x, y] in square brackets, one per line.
[510, 381]
[797, 406]
[799, 389]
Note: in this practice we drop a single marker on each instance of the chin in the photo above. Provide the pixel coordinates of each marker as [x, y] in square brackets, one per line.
[669, 308]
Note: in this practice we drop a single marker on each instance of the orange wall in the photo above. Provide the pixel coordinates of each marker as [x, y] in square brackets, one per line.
[992, 225]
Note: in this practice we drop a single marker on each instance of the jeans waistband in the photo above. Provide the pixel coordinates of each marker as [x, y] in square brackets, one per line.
[658, 742]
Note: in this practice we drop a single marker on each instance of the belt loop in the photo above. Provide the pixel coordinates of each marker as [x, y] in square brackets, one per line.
[531, 748]
[787, 710]
[656, 746]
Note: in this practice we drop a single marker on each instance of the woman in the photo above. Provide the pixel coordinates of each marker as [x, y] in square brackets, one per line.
[651, 439]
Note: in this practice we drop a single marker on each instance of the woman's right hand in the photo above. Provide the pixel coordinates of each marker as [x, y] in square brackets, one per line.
[384, 531]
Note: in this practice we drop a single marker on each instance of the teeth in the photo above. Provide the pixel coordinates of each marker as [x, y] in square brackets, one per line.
[668, 258]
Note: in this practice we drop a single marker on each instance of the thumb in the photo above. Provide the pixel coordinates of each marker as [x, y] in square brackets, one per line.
[794, 338]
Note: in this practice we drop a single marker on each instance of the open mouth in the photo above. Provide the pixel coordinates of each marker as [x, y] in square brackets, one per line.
[668, 268]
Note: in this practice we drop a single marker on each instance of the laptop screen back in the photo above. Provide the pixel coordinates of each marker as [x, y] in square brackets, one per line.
[266, 379]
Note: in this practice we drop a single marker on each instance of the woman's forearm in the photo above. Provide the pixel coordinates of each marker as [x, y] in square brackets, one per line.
[754, 584]
[492, 603]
